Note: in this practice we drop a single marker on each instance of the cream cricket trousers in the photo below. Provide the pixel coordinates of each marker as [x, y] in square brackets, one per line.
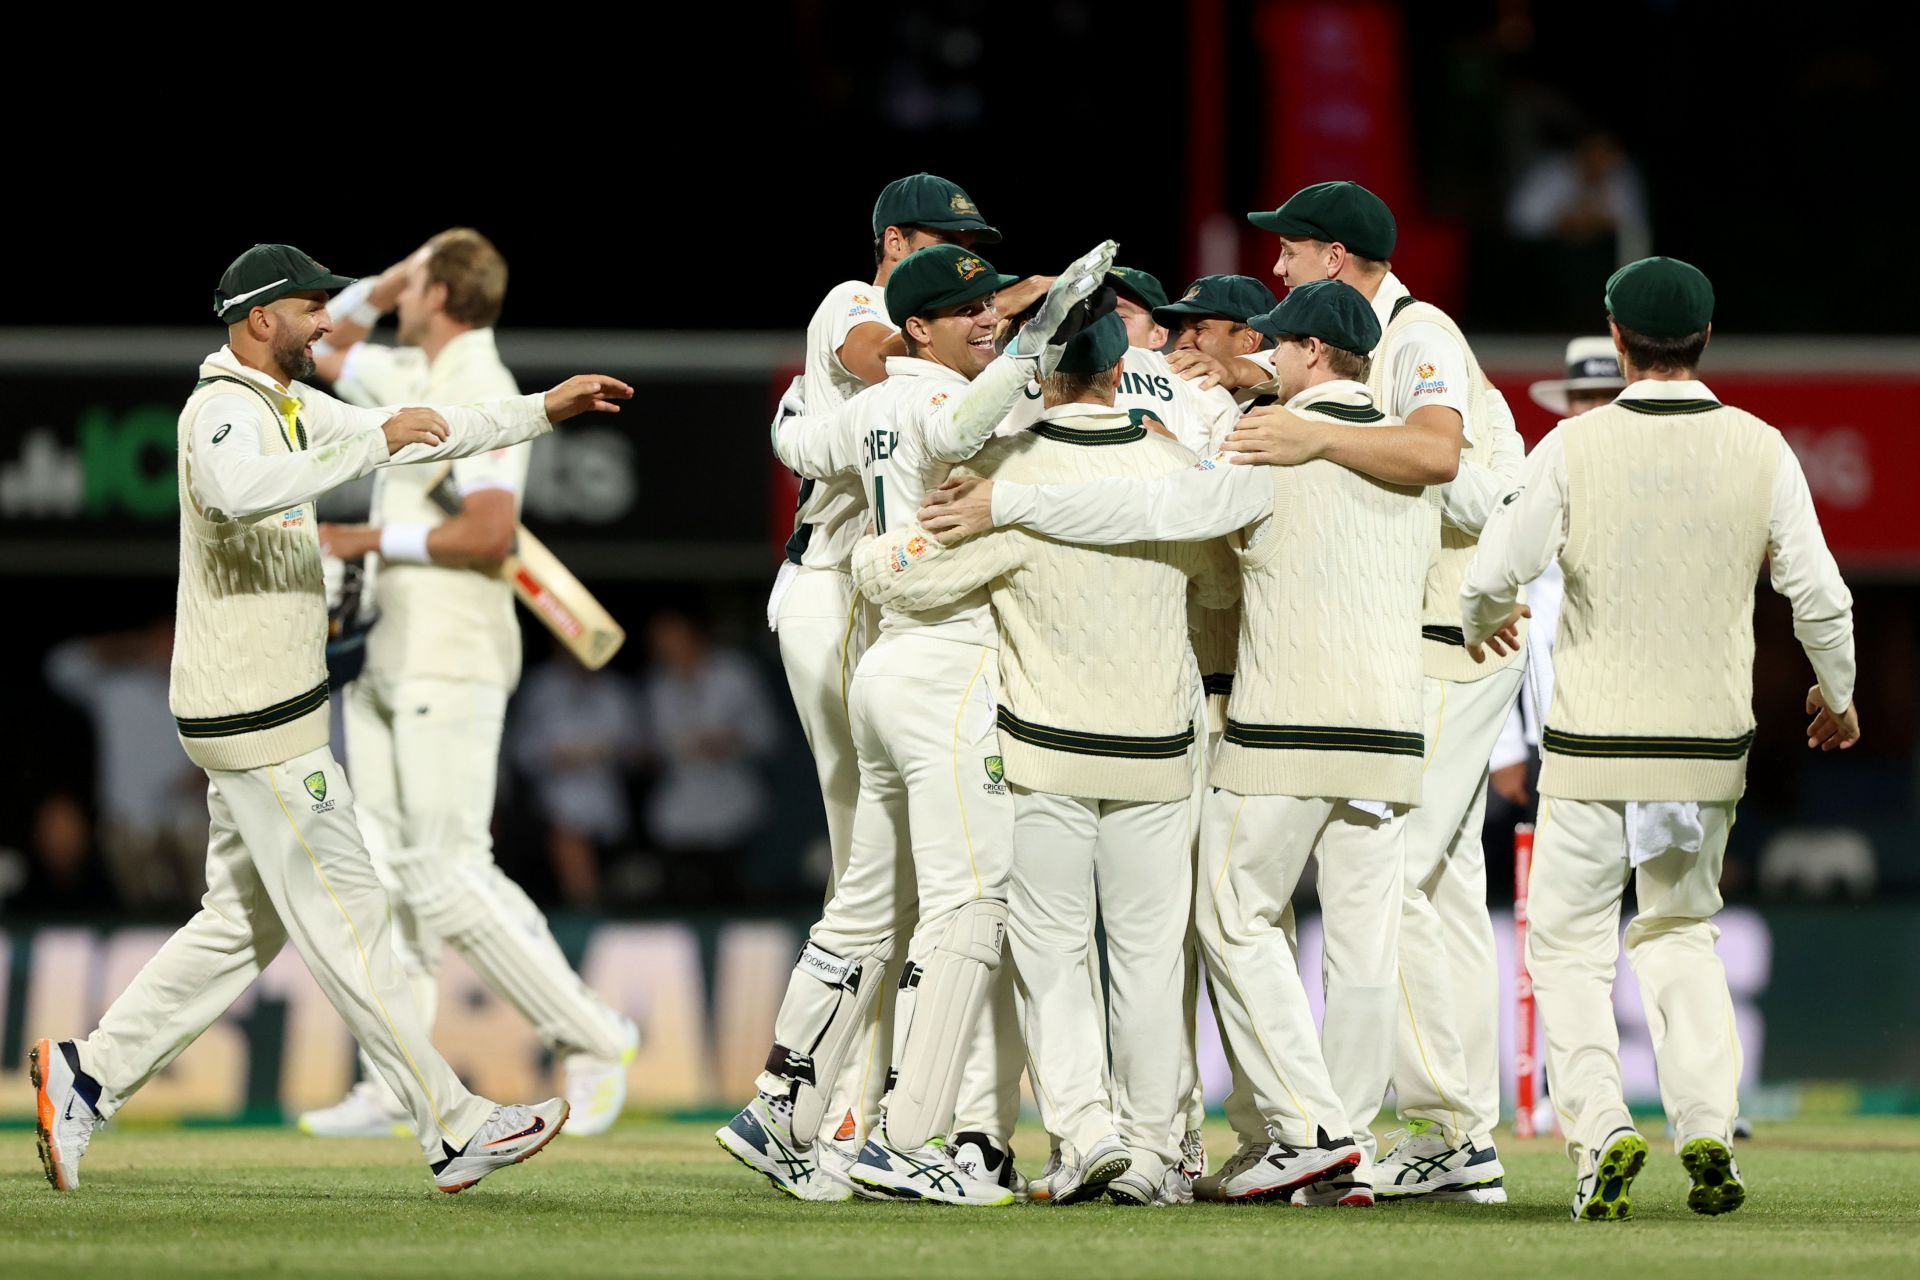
[822, 630]
[1132, 860]
[1253, 850]
[1580, 871]
[1446, 1060]
[424, 753]
[284, 860]
[933, 828]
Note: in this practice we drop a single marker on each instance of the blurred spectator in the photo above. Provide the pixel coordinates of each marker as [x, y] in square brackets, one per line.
[1590, 193]
[151, 801]
[708, 721]
[60, 875]
[574, 734]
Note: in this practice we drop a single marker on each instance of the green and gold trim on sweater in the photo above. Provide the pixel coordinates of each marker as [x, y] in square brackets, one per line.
[1170, 746]
[1361, 413]
[1638, 748]
[1669, 408]
[255, 721]
[1106, 435]
[1314, 737]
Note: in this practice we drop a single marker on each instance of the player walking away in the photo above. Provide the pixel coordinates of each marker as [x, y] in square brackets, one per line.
[1459, 437]
[1662, 507]
[1097, 724]
[249, 690]
[814, 610]
[933, 797]
[425, 717]
[1308, 764]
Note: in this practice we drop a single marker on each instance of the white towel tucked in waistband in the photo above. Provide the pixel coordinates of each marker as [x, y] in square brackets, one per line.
[1657, 827]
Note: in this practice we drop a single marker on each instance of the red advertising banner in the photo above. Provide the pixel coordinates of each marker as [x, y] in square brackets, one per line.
[1855, 436]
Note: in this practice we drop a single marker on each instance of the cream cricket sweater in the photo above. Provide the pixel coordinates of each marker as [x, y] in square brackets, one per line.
[249, 683]
[1096, 676]
[1327, 698]
[1495, 445]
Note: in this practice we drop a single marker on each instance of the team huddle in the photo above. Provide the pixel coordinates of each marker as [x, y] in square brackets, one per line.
[1176, 597]
[1105, 614]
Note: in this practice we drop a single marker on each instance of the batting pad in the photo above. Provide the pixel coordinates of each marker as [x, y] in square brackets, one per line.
[945, 995]
[823, 1015]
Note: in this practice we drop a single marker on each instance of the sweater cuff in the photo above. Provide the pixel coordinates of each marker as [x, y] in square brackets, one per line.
[1834, 669]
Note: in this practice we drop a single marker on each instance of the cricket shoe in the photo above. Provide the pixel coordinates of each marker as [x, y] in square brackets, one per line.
[836, 1164]
[926, 1174]
[984, 1160]
[1603, 1190]
[761, 1138]
[508, 1136]
[596, 1088]
[1342, 1193]
[66, 1110]
[1275, 1170]
[1078, 1178]
[1716, 1178]
[1176, 1186]
[1137, 1187]
[361, 1114]
[1424, 1163]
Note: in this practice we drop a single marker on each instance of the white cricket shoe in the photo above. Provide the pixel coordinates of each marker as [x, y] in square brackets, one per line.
[1603, 1183]
[1424, 1163]
[596, 1088]
[1176, 1186]
[835, 1161]
[926, 1174]
[1344, 1193]
[761, 1138]
[65, 1099]
[1276, 1170]
[978, 1156]
[361, 1114]
[507, 1136]
[1078, 1178]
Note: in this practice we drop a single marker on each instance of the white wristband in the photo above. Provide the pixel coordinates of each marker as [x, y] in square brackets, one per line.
[405, 544]
[352, 303]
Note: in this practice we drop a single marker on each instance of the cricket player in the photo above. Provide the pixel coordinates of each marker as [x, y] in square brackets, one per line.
[424, 719]
[1459, 438]
[1098, 728]
[1662, 507]
[285, 857]
[1198, 418]
[1320, 757]
[933, 797]
[814, 610]
[1212, 327]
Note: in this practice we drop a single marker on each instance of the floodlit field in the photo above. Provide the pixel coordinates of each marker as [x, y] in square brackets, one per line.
[658, 1198]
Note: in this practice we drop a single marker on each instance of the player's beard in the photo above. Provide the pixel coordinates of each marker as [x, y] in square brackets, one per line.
[290, 353]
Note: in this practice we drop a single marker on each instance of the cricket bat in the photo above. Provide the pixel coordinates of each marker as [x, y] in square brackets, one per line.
[549, 590]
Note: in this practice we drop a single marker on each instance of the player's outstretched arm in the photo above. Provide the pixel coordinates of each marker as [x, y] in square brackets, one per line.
[910, 569]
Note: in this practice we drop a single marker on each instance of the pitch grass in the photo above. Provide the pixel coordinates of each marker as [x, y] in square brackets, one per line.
[658, 1198]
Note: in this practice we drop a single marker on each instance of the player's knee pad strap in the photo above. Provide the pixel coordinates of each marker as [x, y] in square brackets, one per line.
[823, 1015]
[951, 985]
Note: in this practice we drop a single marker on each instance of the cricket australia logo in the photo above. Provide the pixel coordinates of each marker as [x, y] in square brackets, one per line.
[996, 783]
[316, 784]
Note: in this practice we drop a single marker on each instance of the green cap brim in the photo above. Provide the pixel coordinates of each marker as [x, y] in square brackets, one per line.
[981, 231]
[1187, 309]
[1264, 324]
[968, 292]
[1281, 225]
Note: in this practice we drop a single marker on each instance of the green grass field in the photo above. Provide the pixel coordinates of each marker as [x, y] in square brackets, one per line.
[1839, 1198]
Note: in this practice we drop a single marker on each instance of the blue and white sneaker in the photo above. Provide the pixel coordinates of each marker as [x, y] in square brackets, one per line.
[761, 1138]
[1424, 1163]
[65, 1110]
[1602, 1191]
[926, 1174]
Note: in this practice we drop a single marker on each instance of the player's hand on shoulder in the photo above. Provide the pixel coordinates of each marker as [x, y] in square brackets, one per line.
[586, 393]
[1198, 366]
[958, 509]
[1274, 437]
[414, 426]
[1830, 730]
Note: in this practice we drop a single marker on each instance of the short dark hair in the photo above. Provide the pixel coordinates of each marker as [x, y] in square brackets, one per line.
[880, 241]
[1662, 355]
